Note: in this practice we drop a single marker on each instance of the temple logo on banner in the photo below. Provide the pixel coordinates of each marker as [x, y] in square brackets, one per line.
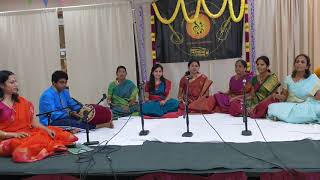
[204, 39]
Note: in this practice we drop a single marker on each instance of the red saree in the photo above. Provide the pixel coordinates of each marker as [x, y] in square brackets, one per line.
[197, 89]
[39, 144]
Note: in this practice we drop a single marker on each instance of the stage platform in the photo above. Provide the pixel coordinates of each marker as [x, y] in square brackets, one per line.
[289, 146]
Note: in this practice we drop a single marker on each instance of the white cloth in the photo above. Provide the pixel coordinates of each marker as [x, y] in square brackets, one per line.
[98, 39]
[29, 46]
[229, 128]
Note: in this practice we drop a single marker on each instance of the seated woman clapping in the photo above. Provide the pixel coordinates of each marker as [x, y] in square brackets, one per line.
[301, 91]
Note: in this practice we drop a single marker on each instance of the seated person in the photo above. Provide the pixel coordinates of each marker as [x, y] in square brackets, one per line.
[301, 92]
[122, 95]
[57, 97]
[158, 98]
[235, 87]
[263, 87]
[198, 91]
[21, 134]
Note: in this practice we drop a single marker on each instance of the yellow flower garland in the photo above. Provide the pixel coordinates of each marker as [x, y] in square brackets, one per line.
[196, 15]
[233, 17]
[215, 16]
[163, 20]
[185, 13]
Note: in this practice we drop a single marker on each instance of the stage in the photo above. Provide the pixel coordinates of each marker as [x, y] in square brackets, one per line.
[290, 146]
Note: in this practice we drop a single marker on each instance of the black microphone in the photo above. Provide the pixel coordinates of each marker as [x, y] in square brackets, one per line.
[244, 81]
[141, 83]
[79, 103]
[245, 132]
[104, 96]
[187, 75]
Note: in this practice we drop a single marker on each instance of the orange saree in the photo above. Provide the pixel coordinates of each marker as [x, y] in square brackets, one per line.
[198, 102]
[38, 145]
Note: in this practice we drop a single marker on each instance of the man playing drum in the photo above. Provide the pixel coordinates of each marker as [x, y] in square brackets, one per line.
[66, 111]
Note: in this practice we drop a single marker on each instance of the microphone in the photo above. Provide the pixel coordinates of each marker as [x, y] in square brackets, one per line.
[79, 103]
[244, 105]
[187, 75]
[141, 84]
[104, 96]
[245, 132]
[244, 82]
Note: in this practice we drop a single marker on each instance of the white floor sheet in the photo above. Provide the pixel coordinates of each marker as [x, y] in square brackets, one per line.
[170, 130]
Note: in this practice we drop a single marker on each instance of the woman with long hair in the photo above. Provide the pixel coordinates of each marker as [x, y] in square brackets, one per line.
[158, 101]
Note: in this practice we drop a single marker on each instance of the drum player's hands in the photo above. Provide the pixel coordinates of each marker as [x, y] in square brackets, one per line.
[75, 114]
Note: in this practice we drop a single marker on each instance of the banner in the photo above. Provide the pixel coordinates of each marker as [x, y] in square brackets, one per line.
[205, 39]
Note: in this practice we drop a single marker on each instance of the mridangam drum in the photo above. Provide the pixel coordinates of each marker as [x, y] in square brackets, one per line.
[98, 115]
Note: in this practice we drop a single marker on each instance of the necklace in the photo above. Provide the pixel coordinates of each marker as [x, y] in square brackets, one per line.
[260, 79]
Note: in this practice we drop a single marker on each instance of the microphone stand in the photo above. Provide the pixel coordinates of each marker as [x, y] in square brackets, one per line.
[86, 120]
[48, 113]
[143, 132]
[245, 132]
[188, 133]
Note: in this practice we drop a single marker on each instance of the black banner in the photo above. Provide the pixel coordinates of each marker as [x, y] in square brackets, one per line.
[205, 39]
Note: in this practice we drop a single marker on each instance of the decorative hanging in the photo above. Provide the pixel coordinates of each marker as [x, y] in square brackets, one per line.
[180, 3]
[153, 36]
[252, 36]
[247, 36]
[141, 47]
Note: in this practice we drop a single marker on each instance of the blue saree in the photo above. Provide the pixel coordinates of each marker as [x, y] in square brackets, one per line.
[153, 106]
[301, 106]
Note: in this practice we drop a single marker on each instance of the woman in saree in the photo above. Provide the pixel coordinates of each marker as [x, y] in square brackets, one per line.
[21, 135]
[122, 95]
[262, 86]
[198, 90]
[301, 91]
[235, 87]
[157, 89]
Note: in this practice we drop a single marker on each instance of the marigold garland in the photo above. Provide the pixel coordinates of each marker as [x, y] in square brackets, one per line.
[180, 3]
